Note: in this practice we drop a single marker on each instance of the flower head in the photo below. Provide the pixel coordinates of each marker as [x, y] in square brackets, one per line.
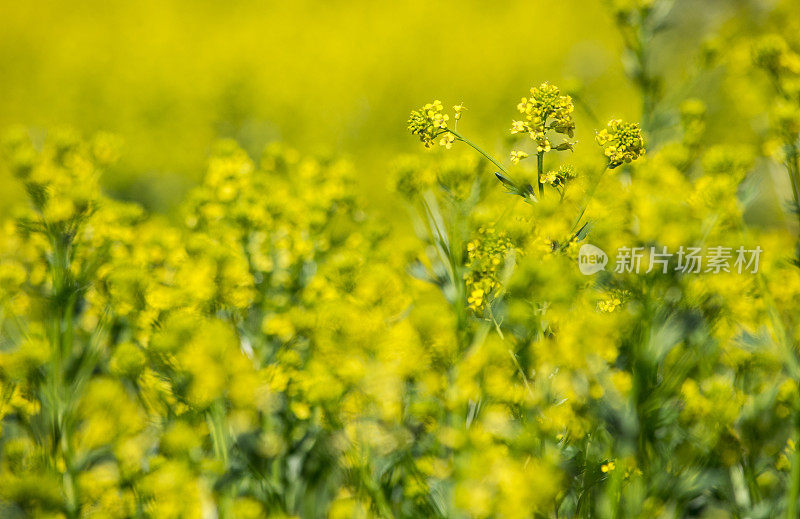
[549, 177]
[485, 260]
[545, 110]
[561, 176]
[428, 123]
[516, 156]
[457, 109]
[622, 142]
[774, 55]
[608, 467]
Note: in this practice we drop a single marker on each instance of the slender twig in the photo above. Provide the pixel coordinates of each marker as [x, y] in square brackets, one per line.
[540, 172]
[478, 149]
[588, 199]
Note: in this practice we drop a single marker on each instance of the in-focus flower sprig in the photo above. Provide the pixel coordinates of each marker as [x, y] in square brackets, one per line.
[430, 124]
[622, 143]
[545, 112]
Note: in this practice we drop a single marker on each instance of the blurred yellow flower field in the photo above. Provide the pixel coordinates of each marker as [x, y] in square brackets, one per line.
[353, 259]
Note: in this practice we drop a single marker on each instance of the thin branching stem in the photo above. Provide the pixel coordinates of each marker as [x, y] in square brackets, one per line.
[589, 197]
[478, 149]
[540, 172]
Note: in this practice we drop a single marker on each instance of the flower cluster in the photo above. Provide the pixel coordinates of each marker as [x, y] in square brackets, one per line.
[517, 156]
[486, 258]
[544, 111]
[274, 350]
[561, 176]
[614, 300]
[194, 355]
[773, 54]
[64, 188]
[429, 122]
[622, 142]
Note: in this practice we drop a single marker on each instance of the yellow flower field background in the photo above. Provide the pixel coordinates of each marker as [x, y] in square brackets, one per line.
[329, 259]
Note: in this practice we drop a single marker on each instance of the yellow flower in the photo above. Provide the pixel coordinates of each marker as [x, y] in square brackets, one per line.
[457, 109]
[516, 156]
[447, 141]
[622, 142]
[428, 123]
[546, 110]
[549, 177]
[485, 258]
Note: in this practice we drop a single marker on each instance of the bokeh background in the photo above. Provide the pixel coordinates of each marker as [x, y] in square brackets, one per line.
[335, 77]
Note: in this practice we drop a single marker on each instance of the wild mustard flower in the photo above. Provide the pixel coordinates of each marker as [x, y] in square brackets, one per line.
[516, 156]
[544, 111]
[486, 258]
[549, 177]
[447, 141]
[559, 178]
[268, 355]
[429, 122]
[614, 301]
[608, 467]
[621, 142]
[457, 110]
[184, 303]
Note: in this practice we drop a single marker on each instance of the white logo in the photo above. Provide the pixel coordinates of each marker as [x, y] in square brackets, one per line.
[591, 259]
[687, 260]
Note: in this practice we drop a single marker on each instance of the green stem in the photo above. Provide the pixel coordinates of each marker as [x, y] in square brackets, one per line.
[478, 149]
[540, 173]
[61, 318]
[219, 434]
[457, 217]
[645, 80]
[589, 197]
